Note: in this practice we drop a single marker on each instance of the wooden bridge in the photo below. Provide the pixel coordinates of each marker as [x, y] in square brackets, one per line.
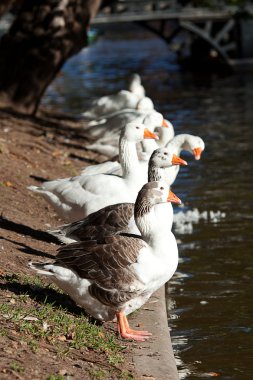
[224, 32]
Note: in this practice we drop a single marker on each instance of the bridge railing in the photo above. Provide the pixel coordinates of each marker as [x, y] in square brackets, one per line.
[139, 6]
[120, 6]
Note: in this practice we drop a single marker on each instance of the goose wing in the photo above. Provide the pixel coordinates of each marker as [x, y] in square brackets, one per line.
[107, 264]
[109, 220]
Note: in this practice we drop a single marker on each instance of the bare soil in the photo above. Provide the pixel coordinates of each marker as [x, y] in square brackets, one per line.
[33, 149]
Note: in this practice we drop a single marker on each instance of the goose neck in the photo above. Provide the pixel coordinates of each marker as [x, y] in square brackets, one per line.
[177, 144]
[128, 157]
[153, 223]
[144, 219]
[154, 173]
[149, 146]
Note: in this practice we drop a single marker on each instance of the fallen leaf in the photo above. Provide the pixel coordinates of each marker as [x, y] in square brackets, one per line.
[45, 326]
[56, 153]
[8, 184]
[62, 338]
[30, 318]
[14, 345]
[63, 372]
[4, 149]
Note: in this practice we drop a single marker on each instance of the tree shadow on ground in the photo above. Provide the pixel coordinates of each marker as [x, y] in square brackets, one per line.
[66, 131]
[60, 125]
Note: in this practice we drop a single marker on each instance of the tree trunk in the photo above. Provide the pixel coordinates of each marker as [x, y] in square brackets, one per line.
[43, 36]
[6, 6]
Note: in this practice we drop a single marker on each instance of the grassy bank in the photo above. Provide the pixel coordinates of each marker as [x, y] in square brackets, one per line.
[43, 335]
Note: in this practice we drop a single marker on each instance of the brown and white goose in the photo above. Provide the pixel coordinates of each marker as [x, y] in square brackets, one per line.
[117, 274]
[116, 218]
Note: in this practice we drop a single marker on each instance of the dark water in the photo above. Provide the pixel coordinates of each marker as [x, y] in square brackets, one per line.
[210, 297]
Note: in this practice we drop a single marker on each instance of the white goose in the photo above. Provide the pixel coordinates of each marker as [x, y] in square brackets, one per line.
[117, 120]
[107, 130]
[116, 218]
[193, 144]
[109, 143]
[76, 197]
[135, 86]
[111, 103]
[166, 135]
[114, 276]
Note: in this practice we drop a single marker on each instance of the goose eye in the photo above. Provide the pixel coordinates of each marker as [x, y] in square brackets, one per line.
[137, 127]
[165, 153]
[161, 188]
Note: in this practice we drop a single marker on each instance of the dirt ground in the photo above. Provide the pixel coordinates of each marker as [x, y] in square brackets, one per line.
[32, 150]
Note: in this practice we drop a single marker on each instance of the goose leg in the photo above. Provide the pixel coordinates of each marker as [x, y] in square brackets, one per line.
[128, 333]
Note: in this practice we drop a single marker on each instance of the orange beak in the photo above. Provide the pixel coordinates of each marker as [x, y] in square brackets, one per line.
[173, 198]
[165, 124]
[178, 161]
[197, 153]
[150, 135]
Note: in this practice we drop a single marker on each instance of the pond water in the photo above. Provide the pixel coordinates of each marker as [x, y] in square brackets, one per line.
[210, 297]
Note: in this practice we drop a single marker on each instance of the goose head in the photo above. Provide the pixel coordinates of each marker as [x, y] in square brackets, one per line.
[147, 217]
[153, 193]
[195, 145]
[134, 79]
[157, 192]
[134, 83]
[154, 120]
[165, 131]
[163, 158]
[136, 131]
[160, 193]
[145, 104]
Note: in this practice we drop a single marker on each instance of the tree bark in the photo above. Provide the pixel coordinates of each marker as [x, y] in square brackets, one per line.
[6, 6]
[43, 36]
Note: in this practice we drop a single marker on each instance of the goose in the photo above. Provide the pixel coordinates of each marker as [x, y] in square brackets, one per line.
[115, 102]
[193, 144]
[165, 135]
[116, 218]
[109, 143]
[114, 122]
[107, 132]
[155, 121]
[114, 276]
[76, 197]
[135, 86]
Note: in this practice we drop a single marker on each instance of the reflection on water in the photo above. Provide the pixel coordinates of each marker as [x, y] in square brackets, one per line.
[209, 298]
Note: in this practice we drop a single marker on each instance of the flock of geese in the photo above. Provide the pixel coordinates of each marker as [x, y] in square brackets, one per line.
[118, 245]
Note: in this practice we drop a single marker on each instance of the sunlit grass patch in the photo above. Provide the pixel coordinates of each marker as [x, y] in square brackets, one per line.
[56, 377]
[33, 311]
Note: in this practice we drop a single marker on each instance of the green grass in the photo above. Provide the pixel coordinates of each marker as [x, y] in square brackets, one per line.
[53, 323]
[17, 367]
[56, 377]
[98, 374]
